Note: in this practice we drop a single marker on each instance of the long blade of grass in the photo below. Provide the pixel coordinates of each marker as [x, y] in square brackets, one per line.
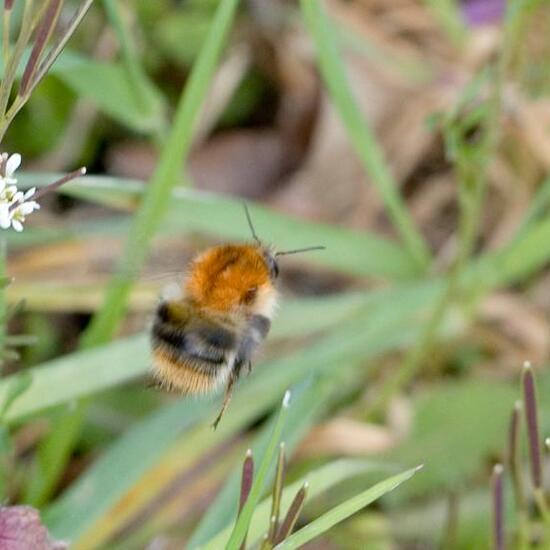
[538, 206]
[141, 85]
[152, 209]
[116, 471]
[508, 266]
[319, 480]
[67, 378]
[79, 509]
[359, 253]
[311, 399]
[360, 134]
[156, 199]
[76, 375]
[343, 511]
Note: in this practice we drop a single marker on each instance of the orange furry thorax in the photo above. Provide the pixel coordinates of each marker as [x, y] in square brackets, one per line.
[226, 277]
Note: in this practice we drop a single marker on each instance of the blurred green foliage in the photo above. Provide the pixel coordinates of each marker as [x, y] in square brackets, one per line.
[108, 450]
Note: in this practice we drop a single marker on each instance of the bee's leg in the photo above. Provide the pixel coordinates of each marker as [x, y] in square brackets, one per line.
[226, 400]
[249, 367]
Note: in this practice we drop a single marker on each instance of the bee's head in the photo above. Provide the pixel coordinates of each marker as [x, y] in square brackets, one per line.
[269, 254]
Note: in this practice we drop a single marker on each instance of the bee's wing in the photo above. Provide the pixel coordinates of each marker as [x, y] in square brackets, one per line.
[190, 339]
[210, 343]
[255, 334]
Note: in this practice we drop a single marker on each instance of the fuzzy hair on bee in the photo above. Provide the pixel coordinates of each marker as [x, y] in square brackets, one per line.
[202, 340]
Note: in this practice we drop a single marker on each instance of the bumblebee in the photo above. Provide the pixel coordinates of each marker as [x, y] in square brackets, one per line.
[201, 341]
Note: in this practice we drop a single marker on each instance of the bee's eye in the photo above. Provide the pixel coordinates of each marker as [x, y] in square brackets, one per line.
[271, 264]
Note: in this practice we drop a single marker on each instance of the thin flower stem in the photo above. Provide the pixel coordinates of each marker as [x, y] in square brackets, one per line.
[277, 494]
[58, 47]
[45, 30]
[498, 508]
[7, 81]
[42, 69]
[3, 305]
[450, 531]
[56, 184]
[6, 32]
[514, 457]
[49, 188]
[523, 535]
[514, 463]
[531, 419]
[292, 514]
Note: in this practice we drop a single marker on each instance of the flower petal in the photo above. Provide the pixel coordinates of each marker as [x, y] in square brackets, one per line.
[21, 527]
[17, 225]
[5, 215]
[25, 208]
[13, 164]
[29, 193]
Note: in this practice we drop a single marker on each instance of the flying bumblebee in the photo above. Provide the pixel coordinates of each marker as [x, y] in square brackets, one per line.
[201, 341]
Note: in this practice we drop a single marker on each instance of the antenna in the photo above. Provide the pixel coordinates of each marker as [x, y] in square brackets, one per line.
[250, 224]
[299, 250]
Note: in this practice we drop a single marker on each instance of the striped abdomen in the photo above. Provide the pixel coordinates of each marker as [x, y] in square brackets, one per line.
[196, 354]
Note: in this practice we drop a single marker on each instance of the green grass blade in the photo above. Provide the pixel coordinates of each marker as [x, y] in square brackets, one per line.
[52, 457]
[86, 372]
[360, 134]
[538, 206]
[121, 467]
[310, 400]
[343, 511]
[358, 253]
[77, 375]
[448, 12]
[80, 508]
[320, 480]
[243, 521]
[141, 86]
[152, 209]
[156, 199]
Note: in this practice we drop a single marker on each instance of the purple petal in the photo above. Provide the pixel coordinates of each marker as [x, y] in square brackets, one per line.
[21, 529]
[483, 12]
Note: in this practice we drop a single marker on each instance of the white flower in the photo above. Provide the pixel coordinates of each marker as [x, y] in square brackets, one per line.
[15, 205]
[10, 194]
[8, 166]
[19, 196]
[20, 212]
